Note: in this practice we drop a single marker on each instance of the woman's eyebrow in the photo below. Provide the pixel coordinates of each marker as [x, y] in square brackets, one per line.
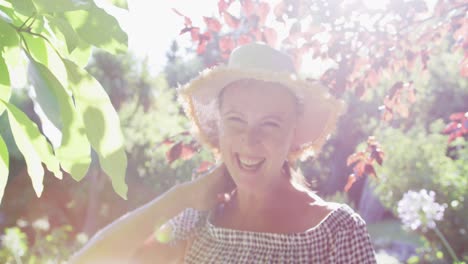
[276, 117]
[231, 111]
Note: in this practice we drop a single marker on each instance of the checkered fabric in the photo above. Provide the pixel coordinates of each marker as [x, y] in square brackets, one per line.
[341, 237]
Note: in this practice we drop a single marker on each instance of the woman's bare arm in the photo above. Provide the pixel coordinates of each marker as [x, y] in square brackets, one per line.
[117, 242]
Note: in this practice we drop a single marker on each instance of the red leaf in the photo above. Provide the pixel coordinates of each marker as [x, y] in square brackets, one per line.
[248, 7]
[388, 102]
[185, 30]
[377, 154]
[244, 39]
[452, 137]
[231, 21]
[387, 115]
[355, 157]
[205, 36]
[369, 170]
[212, 24]
[457, 116]
[452, 126]
[187, 22]
[395, 88]
[177, 12]
[359, 168]
[187, 152]
[223, 6]
[351, 181]
[226, 44]
[201, 46]
[263, 10]
[402, 109]
[194, 32]
[257, 34]
[185, 133]
[167, 142]
[204, 166]
[174, 153]
[270, 36]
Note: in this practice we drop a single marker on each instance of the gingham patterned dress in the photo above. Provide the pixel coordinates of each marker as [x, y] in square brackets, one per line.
[341, 237]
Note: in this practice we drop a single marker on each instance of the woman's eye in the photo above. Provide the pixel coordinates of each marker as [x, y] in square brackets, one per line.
[271, 124]
[235, 119]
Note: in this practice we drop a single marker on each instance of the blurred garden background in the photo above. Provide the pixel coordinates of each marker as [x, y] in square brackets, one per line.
[88, 108]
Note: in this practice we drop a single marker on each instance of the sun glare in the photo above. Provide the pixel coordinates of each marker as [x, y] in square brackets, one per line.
[375, 4]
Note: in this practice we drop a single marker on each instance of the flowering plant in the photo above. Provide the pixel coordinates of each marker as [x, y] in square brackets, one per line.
[418, 210]
[46, 245]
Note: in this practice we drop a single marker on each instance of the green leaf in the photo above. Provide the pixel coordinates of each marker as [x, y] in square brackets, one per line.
[4, 163]
[12, 56]
[74, 152]
[25, 7]
[38, 48]
[98, 28]
[81, 54]
[8, 14]
[45, 97]
[5, 88]
[120, 3]
[50, 6]
[8, 35]
[102, 125]
[5, 17]
[30, 141]
[61, 25]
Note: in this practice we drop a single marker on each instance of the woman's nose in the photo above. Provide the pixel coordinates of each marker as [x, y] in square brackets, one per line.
[252, 136]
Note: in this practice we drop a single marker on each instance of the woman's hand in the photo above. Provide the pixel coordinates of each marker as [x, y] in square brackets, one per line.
[209, 189]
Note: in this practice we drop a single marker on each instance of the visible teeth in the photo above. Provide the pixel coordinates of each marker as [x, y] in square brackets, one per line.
[250, 162]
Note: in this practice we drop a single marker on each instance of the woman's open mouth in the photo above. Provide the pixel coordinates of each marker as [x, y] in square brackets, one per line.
[249, 164]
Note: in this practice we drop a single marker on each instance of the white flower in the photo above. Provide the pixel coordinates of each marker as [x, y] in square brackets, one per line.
[419, 210]
[41, 224]
[21, 223]
[82, 238]
[15, 241]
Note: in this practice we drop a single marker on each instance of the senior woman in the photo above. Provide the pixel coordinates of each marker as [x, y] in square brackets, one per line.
[258, 118]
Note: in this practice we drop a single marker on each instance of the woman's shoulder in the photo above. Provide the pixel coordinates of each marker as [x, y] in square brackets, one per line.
[342, 217]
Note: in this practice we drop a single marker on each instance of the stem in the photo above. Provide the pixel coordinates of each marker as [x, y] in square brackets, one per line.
[446, 244]
[25, 43]
[18, 259]
[27, 20]
[48, 41]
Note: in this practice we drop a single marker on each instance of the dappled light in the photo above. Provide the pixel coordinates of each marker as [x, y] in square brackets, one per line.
[159, 131]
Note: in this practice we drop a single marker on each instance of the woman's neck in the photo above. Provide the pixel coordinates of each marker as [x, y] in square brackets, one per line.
[263, 210]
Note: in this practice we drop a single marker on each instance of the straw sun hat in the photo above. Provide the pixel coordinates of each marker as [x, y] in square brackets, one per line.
[256, 61]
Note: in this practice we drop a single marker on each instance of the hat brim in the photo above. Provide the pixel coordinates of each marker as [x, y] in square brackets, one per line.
[318, 119]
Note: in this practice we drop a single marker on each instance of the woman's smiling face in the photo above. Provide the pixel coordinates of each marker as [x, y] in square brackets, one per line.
[256, 130]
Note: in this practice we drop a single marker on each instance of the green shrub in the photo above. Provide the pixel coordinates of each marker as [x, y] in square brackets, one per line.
[38, 243]
[417, 159]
